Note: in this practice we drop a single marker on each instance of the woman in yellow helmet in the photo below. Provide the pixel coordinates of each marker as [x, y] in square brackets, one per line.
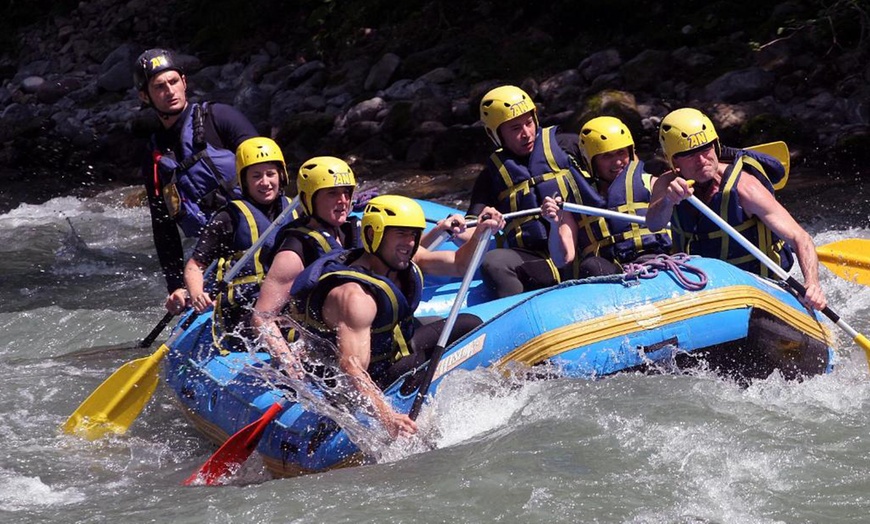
[262, 176]
[741, 192]
[603, 245]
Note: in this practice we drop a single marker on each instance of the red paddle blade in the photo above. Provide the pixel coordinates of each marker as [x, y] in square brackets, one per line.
[227, 460]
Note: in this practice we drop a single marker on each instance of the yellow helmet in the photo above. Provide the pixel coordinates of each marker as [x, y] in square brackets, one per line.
[500, 105]
[685, 130]
[259, 150]
[319, 173]
[603, 135]
[390, 211]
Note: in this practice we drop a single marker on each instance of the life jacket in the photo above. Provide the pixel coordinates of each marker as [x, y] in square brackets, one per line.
[617, 240]
[548, 172]
[249, 223]
[697, 235]
[393, 326]
[306, 230]
[198, 183]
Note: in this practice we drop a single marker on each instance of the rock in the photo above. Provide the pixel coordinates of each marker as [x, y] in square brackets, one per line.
[742, 85]
[253, 101]
[382, 72]
[408, 90]
[284, 105]
[51, 92]
[597, 64]
[31, 84]
[70, 81]
[553, 87]
[366, 110]
[116, 71]
[644, 71]
[440, 75]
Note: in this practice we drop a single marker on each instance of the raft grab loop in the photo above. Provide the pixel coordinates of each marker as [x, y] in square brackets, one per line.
[676, 264]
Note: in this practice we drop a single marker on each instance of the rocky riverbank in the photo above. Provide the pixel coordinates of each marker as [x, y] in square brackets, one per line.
[70, 120]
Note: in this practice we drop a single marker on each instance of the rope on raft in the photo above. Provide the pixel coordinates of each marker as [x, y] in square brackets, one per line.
[676, 264]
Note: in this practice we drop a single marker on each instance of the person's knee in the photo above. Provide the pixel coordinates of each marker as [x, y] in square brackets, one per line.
[598, 266]
[497, 269]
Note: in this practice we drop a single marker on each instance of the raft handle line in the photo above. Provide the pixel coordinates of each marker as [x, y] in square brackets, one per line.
[676, 264]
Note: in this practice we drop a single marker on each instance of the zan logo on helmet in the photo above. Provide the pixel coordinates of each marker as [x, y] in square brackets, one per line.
[159, 61]
[697, 139]
[520, 108]
[343, 179]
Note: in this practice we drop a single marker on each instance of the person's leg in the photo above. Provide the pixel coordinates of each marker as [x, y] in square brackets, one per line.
[499, 272]
[597, 266]
[423, 344]
[509, 272]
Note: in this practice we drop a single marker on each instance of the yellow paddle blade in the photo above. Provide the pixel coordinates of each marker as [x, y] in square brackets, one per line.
[779, 151]
[849, 259]
[116, 403]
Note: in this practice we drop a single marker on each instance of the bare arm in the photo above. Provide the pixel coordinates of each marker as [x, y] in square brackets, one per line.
[454, 224]
[274, 295]
[562, 239]
[759, 202]
[193, 281]
[668, 190]
[351, 311]
[455, 263]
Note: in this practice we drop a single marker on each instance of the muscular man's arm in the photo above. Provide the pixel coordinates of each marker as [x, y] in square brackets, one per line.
[757, 201]
[274, 295]
[351, 311]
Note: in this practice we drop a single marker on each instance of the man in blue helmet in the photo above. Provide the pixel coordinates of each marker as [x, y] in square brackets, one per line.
[189, 171]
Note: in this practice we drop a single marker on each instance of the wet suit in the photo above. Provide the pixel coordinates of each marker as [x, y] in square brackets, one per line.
[223, 127]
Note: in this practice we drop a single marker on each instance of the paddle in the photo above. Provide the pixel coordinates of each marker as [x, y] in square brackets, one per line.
[116, 403]
[605, 213]
[235, 451]
[849, 259]
[479, 250]
[444, 235]
[779, 151]
[147, 341]
[860, 339]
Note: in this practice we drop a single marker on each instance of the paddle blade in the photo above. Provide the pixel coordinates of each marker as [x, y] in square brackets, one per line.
[849, 259]
[779, 151]
[224, 463]
[116, 403]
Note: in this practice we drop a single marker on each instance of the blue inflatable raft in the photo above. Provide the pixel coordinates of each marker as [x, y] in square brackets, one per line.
[738, 324]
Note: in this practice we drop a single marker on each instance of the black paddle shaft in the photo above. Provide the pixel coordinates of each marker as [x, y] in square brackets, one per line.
[147, 341]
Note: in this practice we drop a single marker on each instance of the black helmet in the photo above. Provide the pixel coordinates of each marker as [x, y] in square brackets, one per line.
[150, 64]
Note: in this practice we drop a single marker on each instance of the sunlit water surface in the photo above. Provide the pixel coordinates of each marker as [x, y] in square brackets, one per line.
[630, 448]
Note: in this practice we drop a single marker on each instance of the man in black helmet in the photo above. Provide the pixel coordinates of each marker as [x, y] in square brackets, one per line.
[189, 170]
